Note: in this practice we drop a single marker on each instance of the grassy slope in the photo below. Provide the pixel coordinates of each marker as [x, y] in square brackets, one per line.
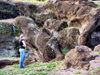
[38, 68]
[33, 69]
[10, 57]
[32, 1]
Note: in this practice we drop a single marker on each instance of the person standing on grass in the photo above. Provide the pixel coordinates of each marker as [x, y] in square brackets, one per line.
[22, 46]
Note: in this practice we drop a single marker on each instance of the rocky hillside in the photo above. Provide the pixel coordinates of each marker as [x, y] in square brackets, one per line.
[72, 25]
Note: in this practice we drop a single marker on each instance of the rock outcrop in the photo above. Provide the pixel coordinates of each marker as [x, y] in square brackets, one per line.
[97, 48]
[8, 10]
[48, 45]
[90, 36]
[54, 24]
[29, 60]
[7, 40]
[5, 62]
[40, 19]
[36, 39]
[75, 13]
[30, 29]
[68, 38]
[79, 57]
[81, 14]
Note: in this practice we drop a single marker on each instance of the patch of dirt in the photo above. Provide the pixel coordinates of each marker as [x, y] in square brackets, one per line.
[7, 67]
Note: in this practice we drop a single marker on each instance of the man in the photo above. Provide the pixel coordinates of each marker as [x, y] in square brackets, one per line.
[22, 46]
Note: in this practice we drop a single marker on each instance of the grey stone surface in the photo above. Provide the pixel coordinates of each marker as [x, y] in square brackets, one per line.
[7, 40]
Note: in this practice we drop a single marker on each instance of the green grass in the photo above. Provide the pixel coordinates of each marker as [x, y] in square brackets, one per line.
[99, 52]
[42, 73]
[65, 51]
[89, 0]
[10, 57]
[78, 72]
[33, 69]
[94, 71]
[33, 1]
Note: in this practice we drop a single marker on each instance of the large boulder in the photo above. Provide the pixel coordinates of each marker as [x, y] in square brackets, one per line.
[29, 60]
[36, 11]
[37, 39]
[90, 36]
[75, 13]
[95, 64]
[30, 30]
[48, 45]
[5, 62]
[40, 19]
[81, 14]
[68, 38]
[8, 10]
[79, 57]
[7, 39]
[54, 24]
[54, 1]
[28, 9]
[97, 48]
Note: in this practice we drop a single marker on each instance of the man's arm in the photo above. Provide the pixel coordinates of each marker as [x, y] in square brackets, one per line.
[24, 44]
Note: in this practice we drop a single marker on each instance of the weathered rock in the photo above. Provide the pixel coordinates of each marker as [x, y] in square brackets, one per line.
[36, 11]
[5, 62]
[68, 38]
[73, 12]
[76, 13]
[7, 40]
[36, 39]
[12, 9]
[97, 48]
[49, 46]
[81, 14]
[30, 29]
[78, 58]
[54, 24]
[29, 60]
[90, 36]
[28, 9]
[40, 19]
[8, 10]
[95, 64]
[54, 1]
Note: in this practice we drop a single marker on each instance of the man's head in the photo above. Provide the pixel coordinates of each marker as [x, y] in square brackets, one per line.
[22, 36]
